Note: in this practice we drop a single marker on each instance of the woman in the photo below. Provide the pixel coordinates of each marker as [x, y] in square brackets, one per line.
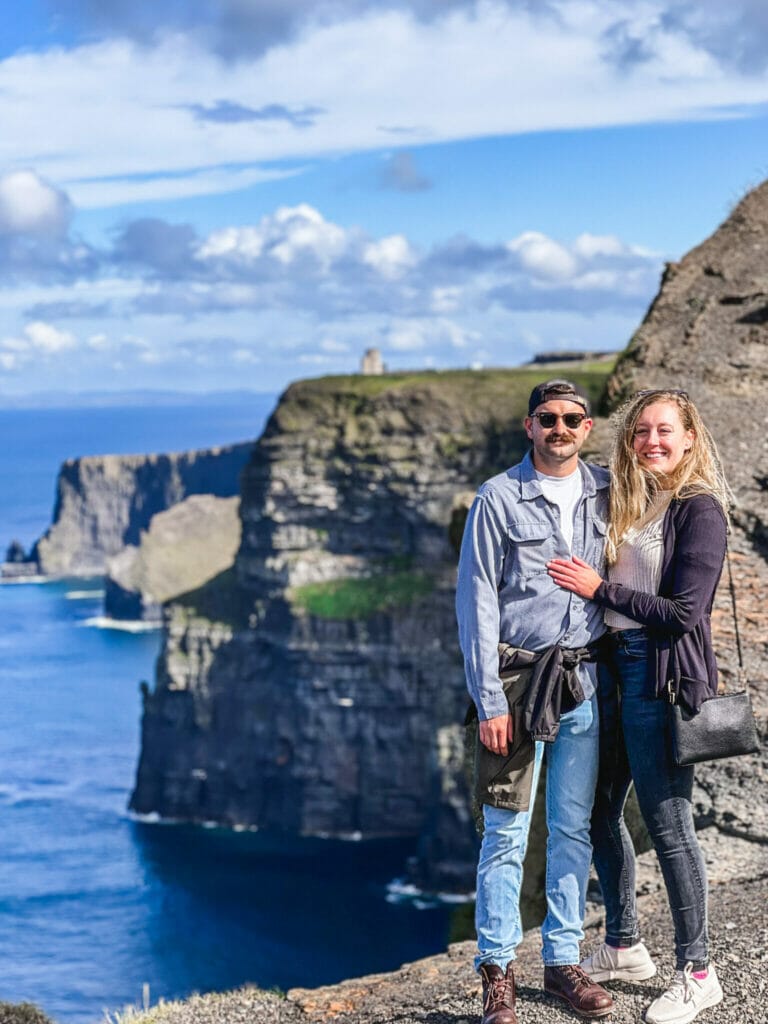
[665, 548]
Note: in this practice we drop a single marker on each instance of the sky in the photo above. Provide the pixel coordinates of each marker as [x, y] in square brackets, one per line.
[224, 194]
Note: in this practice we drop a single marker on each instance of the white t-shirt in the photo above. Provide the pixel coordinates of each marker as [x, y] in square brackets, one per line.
[563, 491]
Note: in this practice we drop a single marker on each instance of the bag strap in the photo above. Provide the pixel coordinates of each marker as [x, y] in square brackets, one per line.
[732, 588]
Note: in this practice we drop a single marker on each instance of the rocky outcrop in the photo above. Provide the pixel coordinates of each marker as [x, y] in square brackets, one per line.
[182, 549]
[707, 332]
[104, 502]
[319, 687]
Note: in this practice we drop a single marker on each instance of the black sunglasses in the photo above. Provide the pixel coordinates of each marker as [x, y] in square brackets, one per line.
[660, 391]
[572, 420]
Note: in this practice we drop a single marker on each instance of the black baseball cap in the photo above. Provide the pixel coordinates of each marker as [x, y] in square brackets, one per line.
[562, 390]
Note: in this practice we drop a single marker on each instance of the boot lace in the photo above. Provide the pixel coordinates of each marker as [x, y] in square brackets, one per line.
[576, 976]
[499, 988]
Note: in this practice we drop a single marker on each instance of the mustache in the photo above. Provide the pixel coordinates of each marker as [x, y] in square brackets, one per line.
[554, 438]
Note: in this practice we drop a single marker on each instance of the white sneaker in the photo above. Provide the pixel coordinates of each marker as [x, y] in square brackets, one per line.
[606, 963]
[685, 998]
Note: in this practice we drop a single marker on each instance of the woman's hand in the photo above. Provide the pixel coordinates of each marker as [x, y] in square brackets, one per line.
[576, 575]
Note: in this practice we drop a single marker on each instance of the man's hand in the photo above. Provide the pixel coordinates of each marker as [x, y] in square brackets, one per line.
[494, 733]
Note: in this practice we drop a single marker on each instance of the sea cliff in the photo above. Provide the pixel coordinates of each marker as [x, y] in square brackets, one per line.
[103, 503]
[318, 688]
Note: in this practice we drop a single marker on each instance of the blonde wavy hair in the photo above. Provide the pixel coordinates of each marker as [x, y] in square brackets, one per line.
[634, 488]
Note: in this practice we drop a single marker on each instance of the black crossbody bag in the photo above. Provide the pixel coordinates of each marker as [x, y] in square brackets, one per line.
[724, 726]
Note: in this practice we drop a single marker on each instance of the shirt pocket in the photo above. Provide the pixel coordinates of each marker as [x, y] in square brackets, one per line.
[529, 547]
[595, 546]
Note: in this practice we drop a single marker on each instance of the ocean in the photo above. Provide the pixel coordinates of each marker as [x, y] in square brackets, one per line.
[94, 905]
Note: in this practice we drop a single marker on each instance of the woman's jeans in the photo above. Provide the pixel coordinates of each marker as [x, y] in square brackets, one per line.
[635, 747]
[571, 777]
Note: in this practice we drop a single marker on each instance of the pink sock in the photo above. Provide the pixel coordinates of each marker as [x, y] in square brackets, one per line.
[700, 975]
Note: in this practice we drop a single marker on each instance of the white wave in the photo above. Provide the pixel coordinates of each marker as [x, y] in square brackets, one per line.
[17, 580]
[344, 837]
[153, 818]
[83, 595]
[126, 625]
[400, 891]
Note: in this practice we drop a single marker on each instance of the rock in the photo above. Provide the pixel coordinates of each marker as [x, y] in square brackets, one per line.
[707, 331]
[182, 549]
[104, 502]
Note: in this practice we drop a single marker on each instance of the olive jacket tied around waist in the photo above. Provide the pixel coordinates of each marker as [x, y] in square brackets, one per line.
[538, 688]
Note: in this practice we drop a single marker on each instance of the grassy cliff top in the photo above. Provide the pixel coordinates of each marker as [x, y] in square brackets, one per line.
[472, 395]
[467, 383]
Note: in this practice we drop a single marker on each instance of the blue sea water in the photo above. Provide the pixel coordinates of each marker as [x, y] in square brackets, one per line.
[93, 904]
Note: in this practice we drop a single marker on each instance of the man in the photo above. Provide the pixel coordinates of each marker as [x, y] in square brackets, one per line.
[509, 607]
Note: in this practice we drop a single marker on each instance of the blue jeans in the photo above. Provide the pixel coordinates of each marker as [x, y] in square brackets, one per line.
[634, 747]
[571, 776]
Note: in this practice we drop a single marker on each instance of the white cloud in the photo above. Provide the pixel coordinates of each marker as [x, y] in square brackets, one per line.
[245, 356]
[286, 235]
[543, 256]
[118, 124]
[589, 246]
[9, 361]
[15, 344]
[408, 337]
[245, 242]
[305, 231]
[119, 189]
[49, 339]
[29, 205]
[391, 256]
[422, 334]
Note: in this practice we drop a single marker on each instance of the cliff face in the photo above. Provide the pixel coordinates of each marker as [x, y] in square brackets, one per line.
[182, 549]
[707, 331]
[318, 687]
[104, 502]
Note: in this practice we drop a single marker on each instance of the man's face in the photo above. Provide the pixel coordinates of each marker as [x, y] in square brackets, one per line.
[559, 443]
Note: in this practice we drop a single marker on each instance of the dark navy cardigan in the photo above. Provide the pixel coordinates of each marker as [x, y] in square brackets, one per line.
[678, 617]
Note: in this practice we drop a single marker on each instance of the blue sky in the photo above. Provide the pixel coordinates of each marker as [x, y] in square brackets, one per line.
[220, 194]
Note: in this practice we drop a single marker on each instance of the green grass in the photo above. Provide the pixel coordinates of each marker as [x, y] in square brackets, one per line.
[591, 375]
[362, 598]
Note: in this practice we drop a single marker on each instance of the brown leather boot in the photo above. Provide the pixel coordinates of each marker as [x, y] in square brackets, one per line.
[584, 996]
[498, 994]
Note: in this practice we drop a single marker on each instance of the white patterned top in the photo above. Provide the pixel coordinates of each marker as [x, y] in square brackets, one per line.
[638, 565]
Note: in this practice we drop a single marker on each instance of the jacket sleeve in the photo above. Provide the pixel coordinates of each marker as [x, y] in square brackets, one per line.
[477, 607]
[700, 542]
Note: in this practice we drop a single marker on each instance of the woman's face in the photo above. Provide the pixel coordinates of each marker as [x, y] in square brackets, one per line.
[660, 440]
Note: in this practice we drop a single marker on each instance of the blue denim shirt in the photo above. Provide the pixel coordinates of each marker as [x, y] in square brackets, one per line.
[504, 591]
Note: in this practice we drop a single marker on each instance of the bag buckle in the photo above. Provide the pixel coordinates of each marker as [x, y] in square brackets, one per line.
[671, 691]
